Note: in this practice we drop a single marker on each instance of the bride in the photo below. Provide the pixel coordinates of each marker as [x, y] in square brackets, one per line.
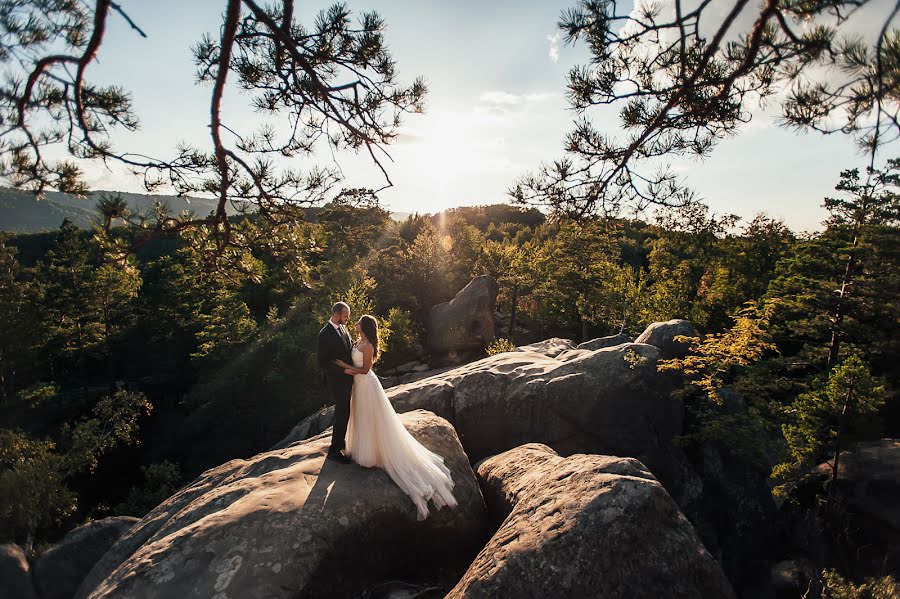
[377, 437]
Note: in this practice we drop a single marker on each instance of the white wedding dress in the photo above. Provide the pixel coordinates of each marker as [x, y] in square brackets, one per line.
[376, 437]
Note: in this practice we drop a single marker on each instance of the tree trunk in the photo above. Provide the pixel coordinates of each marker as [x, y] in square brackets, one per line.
[837, 317]
[838, 442]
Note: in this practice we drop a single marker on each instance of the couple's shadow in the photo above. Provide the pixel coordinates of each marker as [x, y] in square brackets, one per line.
[337, 486]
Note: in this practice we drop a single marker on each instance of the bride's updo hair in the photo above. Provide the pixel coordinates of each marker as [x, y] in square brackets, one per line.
[369, 326]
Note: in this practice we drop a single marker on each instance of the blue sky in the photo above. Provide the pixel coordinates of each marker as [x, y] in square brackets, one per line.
[494, 111]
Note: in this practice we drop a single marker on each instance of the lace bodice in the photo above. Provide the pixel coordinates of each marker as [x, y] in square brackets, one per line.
[357, 356]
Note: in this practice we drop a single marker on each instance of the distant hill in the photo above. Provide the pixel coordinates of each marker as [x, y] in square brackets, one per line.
[22, 212]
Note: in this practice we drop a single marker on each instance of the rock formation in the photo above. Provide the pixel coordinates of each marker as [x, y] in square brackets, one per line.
[288, 523]
[662, 335]
[602, 342]
[59, 571]
[585, 526]
[15, 578]
[868, 486]
[466, 322]
[610, 401]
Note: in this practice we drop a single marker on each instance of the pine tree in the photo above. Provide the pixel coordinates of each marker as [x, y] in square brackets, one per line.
[822, 422]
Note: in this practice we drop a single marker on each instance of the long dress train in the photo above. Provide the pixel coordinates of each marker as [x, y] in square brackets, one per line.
[376, 437]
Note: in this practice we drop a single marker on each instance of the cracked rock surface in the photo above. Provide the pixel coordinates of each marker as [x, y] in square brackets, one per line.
[585, 526]
[289, 523]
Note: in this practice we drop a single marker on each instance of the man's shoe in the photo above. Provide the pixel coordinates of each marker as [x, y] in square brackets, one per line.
[338, 457]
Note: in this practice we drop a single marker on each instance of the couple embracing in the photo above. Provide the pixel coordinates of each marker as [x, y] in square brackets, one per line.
[366, 429]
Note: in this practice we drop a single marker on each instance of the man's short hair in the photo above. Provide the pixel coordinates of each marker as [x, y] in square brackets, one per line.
[339, 308]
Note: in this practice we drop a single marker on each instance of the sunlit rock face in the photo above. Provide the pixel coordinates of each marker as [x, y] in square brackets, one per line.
[611, 401]
[289, 523]
[585, 526]
[466, 322]
[663, 334]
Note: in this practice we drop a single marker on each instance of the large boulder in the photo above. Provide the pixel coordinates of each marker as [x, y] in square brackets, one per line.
[585, 526]
[611, 401]
[601, 342]
[662, 335]
[15, 579]
[467, 321]
[288, 523]
[549, 347]
[58, 572]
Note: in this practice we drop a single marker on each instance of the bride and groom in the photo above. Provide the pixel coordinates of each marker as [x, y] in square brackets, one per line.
[366, 429]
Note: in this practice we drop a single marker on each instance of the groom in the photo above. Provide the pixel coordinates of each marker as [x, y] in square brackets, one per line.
[334, 344]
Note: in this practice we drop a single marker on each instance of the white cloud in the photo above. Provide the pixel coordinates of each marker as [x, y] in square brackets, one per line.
[503, 102]
[554, 47]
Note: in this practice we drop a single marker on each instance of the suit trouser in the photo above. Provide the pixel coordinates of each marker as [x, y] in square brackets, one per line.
[340, 393]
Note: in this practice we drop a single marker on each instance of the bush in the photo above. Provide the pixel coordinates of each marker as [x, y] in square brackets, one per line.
[499, 346]
[161, 480]
[402, 338]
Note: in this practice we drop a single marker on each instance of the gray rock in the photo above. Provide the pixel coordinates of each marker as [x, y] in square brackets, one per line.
[662, 335]
[585, 526]
[869, 478]
[58, 572]
[15, 579]
[289, 523]
[610, 401]
[549, 347]
[467, 321]
[601, 342]
[404, 368]
[312, 425]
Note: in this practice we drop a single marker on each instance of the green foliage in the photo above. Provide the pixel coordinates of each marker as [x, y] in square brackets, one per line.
[38, 393]
[223, 331]
[717, 361]
[161, 480]
[715, 357]
[32, 490]
[685, 261]
[836, 586]
[34, 474]
[75, 328]
[20, 325]
[402, 343]
[499, 346]
[113, 421]
[822, 421]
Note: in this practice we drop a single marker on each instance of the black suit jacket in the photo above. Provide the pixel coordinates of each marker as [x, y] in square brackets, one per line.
[332, 347]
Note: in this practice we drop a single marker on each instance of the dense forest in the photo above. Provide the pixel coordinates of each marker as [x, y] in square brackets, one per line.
[123, 376]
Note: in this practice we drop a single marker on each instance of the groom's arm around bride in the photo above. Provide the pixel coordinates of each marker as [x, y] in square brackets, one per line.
[334, 344]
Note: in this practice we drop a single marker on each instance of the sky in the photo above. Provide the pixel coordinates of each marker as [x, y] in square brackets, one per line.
[496, 108]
